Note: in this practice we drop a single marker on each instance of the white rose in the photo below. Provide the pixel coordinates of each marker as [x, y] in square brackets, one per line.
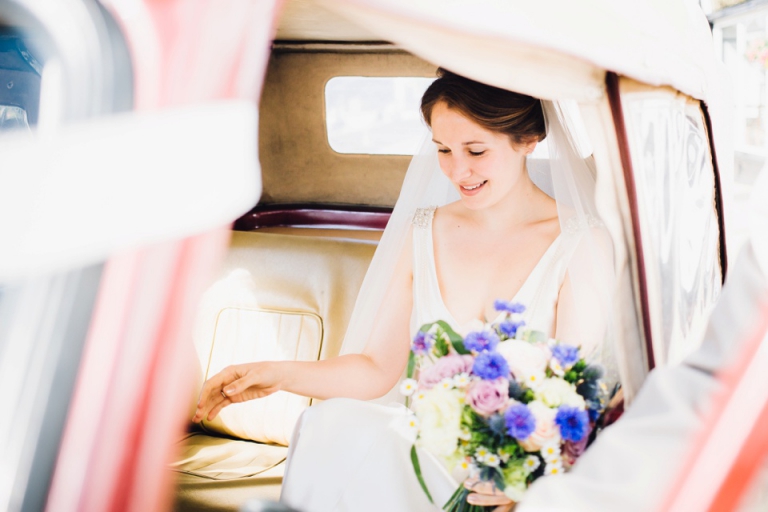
[556, 392]
[574, 399]
[524, 358]
[439, 415]
[546, 429]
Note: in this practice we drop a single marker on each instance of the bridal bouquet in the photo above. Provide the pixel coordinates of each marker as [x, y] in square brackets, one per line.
[503, 405]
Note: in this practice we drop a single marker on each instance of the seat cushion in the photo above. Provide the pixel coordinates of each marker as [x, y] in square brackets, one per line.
[218, 458]
[215, 474]
[244, 335]
[277, 297]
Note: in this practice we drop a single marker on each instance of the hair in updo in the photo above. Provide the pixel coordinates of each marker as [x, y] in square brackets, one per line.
[517, 115]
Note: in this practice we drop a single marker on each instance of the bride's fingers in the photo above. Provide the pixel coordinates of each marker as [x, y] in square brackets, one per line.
[236, 387]
[217, 408]
[504, 508]
[488, 500]
[215, 384]
[212, 393]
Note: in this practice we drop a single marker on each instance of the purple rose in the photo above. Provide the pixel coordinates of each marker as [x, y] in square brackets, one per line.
[488, 396]
[445, 367]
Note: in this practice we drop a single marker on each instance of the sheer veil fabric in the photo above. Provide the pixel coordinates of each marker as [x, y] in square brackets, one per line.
[568, 177]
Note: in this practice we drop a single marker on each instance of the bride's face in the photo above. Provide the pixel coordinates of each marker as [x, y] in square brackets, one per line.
[483, 165]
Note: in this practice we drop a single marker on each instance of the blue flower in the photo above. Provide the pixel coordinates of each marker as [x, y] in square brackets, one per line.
[490, 366]
[508, 306]
[519, 421]
[422, 342]
[509, 328]
[481, 341]
[573, 423]
[566, 355]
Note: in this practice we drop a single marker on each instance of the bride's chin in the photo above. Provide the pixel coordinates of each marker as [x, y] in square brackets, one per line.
[473, 203]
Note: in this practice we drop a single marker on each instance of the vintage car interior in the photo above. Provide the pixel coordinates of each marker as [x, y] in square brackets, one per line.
[295, 262]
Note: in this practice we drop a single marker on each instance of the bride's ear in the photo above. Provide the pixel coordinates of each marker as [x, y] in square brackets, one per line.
[528, 147]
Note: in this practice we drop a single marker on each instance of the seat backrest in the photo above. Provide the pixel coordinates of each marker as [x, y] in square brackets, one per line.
[277, 297]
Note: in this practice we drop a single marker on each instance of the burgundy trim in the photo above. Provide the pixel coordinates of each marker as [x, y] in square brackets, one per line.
[614, 98]
[612, 414]
[718, 192]
[313, 215]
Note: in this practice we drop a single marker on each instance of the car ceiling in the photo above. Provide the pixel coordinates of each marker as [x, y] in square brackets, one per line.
[305, 20]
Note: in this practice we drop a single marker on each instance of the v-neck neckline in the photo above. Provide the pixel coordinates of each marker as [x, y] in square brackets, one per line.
[433, 272]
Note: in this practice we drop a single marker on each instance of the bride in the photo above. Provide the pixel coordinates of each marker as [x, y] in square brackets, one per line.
[498, 235]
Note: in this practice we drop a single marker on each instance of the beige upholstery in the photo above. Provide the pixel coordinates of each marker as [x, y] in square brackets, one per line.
[243, 335]
[278, 296]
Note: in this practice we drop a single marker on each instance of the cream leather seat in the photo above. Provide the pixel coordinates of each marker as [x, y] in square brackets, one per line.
[278, 296]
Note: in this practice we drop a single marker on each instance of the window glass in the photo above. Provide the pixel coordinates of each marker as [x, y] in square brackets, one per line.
[675, 185]
[12, 118]
[375, 115]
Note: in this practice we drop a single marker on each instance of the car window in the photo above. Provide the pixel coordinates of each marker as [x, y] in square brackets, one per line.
[374, 115]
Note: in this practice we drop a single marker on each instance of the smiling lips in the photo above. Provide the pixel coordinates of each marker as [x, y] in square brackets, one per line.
[470, 190]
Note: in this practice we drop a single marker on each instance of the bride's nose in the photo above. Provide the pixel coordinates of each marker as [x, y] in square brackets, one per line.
[458, 169]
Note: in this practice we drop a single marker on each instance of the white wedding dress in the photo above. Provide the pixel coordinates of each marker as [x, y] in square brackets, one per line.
[349, 455]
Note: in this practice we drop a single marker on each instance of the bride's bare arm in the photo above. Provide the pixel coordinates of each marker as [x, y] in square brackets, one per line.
[364, 376]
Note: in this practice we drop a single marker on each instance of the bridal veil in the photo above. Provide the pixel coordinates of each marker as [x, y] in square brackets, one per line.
[567, 175]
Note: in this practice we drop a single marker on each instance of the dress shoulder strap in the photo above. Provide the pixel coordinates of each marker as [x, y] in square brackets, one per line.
[423, 216]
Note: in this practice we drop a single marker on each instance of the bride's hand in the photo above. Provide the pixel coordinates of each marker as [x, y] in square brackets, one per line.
[485, 494]
[234, 384]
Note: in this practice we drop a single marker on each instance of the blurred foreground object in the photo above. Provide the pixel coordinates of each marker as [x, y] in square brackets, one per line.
[110, 223]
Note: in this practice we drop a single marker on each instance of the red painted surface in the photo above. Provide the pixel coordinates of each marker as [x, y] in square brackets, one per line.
[131, 400]
[725, 457]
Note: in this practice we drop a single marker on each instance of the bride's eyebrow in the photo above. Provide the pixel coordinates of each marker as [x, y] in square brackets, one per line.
[472, 142]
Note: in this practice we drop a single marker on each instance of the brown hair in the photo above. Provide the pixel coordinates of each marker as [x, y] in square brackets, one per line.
[517, 115]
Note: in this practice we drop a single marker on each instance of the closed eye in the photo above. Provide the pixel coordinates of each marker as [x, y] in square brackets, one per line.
[444, 151]
[477, 153]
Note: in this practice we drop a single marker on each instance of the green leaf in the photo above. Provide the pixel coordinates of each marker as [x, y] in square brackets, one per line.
[417, 470]
[441, 346]
[456, 340]
[534, 336]
[456, 502]
[498, 480]
[411, 365]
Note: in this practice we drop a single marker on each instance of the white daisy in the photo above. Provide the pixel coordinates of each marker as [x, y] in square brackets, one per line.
[550, 450]
[553, 469]
[531, 463]
[481, 454]
[492, 460]
[408, 387]
[556, 367]
[533, 380]
[461, 380]
[446, 383]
